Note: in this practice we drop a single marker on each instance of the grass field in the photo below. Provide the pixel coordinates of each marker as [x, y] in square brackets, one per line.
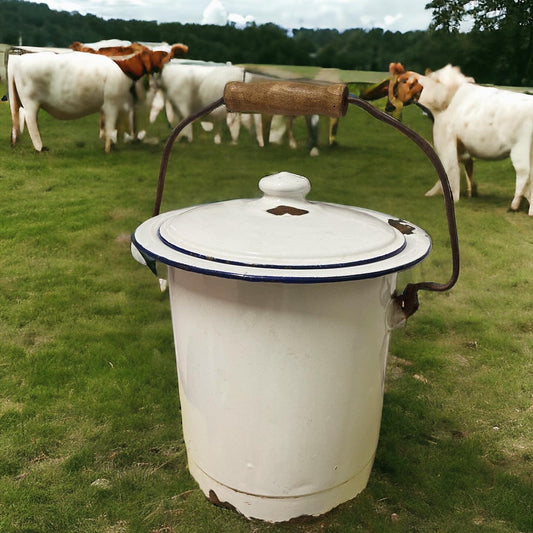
[89, 414]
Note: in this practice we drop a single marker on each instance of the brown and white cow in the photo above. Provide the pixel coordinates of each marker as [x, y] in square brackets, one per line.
[136, 59]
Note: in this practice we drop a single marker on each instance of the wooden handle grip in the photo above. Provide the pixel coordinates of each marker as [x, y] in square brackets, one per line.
[286, 98]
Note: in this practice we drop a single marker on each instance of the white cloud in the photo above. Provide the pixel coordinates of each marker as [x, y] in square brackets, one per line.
[389, 20]
[239, 21]
[215, 13]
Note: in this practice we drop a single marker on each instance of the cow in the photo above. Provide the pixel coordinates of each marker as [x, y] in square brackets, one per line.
[67, 86]
[136, 59]
[473, 121]
[188, 87]
[139, 62]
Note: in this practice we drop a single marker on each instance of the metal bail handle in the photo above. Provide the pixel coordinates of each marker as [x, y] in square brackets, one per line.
[297, 98]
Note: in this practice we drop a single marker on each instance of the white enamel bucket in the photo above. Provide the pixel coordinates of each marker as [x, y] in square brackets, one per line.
[281, 326]
[282, 310]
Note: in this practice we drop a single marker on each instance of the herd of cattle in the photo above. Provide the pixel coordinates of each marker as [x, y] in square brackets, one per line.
[125, 82]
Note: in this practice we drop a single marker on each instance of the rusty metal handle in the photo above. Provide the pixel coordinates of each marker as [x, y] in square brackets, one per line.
[296, 98]
[408, 300]
[287, 98]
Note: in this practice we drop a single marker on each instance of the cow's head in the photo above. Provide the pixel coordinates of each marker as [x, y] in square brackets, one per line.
[160, 58]
[178, 50]
[440, 87]
[404, 87]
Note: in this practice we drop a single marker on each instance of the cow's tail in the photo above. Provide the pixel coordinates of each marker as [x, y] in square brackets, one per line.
[17, 111]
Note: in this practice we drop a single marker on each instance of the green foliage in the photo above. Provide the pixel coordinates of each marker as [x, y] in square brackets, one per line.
[91, 437]
[482, 14]
[507, 23]
[499, 54]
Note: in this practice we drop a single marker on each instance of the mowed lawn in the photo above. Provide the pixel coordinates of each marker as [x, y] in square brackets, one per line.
[90, 435]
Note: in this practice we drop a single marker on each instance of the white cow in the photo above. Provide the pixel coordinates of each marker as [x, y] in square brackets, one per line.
[472, 121]
[187, 88]
[68, 86]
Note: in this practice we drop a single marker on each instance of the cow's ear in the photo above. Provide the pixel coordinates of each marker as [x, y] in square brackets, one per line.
[146, 59]
[159, 58]
[179, 50]
[395, 69]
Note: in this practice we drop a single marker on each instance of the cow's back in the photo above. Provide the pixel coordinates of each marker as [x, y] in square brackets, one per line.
[213, 83]
[488, 120]
[180, 83]
[183, 85]
[70, 85]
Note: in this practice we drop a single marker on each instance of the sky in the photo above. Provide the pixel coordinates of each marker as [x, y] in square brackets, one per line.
[393, 15]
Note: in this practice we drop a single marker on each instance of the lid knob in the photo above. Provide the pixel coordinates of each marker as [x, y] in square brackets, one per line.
[285, 185]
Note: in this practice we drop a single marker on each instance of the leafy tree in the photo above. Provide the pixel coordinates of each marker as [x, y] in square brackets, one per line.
[510, 20]
[496, 50]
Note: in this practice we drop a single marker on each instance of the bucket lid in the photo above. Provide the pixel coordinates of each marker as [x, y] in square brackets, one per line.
[282, 236]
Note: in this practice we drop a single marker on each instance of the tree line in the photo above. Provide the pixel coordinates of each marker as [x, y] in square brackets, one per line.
[499, 54]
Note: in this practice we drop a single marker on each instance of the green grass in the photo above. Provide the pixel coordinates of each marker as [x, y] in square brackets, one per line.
[88, 387]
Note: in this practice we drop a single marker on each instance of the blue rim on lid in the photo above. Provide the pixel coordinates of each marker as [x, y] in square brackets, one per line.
[282, 237]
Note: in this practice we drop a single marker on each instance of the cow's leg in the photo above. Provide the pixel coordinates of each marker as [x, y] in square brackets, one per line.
[17, 123]
[258, 126]
[466, 159]
[530, 182]
[521, 156]
[31, 112]
[233, 121]
[217, 130]
[17, 111]
[158, 103]
[446, 148]
[312, 123]
[333, 126]
[127, 125]
[290, 132]
[110, 114]
[102, 125]
[175, 115]
[187, 132]
[131, 117]
[266, 123]
[22, 121]
[471, 187]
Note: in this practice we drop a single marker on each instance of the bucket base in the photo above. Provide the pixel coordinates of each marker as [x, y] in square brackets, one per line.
[280, 509]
